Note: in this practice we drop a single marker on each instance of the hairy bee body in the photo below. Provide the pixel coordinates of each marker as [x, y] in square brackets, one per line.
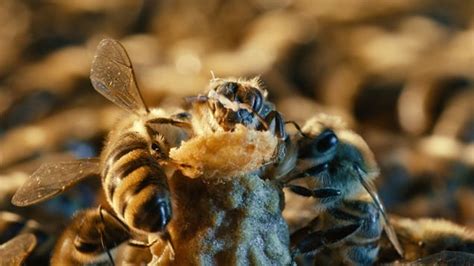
[337, 168]
[361, 247]
[134, 182]
[427, 236]
[133, 174]
[132, 165]
[229, 102]
[88, 238]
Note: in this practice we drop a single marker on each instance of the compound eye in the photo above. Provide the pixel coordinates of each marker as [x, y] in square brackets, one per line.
[228, 89]
[156, 149]
[257, 101]
[326, 141]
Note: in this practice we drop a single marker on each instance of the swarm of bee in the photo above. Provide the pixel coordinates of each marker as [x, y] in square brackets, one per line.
[177, 193]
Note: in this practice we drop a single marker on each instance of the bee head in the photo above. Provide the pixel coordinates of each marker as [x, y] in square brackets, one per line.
[321, 147]
[159, 147]
[235, 102]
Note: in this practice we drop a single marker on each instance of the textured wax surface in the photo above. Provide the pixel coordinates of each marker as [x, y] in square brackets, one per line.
[230, 221]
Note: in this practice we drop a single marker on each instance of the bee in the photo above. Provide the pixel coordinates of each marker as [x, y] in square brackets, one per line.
[338, 168]
[12, 225]
[89, 238]
[229, 102]
[17, 249]
[429, 239]
[134, 161]
[451, 258]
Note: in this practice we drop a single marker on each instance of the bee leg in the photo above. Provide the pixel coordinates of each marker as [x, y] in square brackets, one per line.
[166, 236]
[313, 171]
[196, 99]
[298, 128]
[326, 192]
[275, 124]
[317, 193]
[316, 240]
[101, 233]
[109, 255]
[183, 116]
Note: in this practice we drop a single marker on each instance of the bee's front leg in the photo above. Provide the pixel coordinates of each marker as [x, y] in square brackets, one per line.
[275, 125]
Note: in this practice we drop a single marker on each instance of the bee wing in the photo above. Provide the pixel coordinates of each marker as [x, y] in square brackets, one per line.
[16, 250]
[112, 76]
[446, 258]
[392, 236]
[53, 178]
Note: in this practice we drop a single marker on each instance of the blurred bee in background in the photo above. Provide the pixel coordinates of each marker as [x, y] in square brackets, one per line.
[89, 238]
[430, 238]
[338, 167]
[97, 236]
[450, 258]
[133, 161]
[13, 225]
[17, 250]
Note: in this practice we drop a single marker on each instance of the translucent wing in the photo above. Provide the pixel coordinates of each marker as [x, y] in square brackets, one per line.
[446, 258]
[387, 226]
[16, 250]
[112, 76]
[53, 178]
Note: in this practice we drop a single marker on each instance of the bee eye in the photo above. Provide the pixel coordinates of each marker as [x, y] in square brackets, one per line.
[228, 89]
[155, 147]
[158, 151]
[326, 141]
[257, 101]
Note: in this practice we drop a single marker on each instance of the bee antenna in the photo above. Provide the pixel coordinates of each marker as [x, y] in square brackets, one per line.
[298, 128]
[212, 75]
[139, 244]
[101, 209]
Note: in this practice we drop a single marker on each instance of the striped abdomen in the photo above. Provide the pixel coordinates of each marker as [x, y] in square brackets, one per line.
[135, 184]
[362, 247]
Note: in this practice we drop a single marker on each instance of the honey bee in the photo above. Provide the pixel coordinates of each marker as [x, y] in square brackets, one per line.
[133, 161]
[429, 239]
[450, 258]
[89, 238]
[338, 168]
[12, 225]
[16, 250]
[229, 102]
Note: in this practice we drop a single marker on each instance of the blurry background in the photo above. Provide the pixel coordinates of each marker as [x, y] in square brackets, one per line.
[401, 73]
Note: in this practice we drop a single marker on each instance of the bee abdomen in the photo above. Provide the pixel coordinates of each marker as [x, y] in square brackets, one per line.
[150, 210]
[136, 186]
[361, 254]
[362, 247]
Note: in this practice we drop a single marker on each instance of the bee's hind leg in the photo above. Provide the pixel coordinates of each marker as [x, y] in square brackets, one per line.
[305, 240]
[317, 193]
